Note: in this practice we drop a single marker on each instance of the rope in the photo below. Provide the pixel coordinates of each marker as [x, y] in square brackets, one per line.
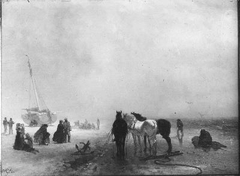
[165, 158]
[159, 162]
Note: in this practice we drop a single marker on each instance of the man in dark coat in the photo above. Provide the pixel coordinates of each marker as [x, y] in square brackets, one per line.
[59, 134]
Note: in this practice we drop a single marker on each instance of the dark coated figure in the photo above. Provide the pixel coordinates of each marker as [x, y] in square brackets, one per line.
[205, 139]
[59, 134]
[42, 136]
[19, 140]
[120, 130]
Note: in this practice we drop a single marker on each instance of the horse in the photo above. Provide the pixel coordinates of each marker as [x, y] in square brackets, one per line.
[142, 128]
[120, 130]
[164, 128]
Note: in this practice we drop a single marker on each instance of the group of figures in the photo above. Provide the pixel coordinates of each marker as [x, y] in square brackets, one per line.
[8, 124]
[140, 126]
[63, 133]
[87, 125]
[24, 141]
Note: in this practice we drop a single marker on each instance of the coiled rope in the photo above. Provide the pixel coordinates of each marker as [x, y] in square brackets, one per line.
[165, 158]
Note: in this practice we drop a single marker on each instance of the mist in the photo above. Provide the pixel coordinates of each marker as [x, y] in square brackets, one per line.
[163, 59]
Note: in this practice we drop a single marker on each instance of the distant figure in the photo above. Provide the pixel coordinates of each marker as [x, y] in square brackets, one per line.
[67, 130]
[42, 136]
[180, 130]
[33, 123]
[93, 126]
[5, 123]
[59, 134]
[98, 124]
[10, 124]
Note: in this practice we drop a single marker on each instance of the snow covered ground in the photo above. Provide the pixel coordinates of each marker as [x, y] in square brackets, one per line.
[58, 159]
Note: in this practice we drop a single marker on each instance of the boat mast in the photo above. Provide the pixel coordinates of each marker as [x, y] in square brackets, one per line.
[34, 84]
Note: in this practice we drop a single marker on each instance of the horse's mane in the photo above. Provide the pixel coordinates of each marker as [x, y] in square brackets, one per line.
[139, 116]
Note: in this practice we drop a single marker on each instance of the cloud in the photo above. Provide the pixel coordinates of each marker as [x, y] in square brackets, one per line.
[92, 58]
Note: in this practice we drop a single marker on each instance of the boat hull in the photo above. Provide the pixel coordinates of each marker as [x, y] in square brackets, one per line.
[39, 118]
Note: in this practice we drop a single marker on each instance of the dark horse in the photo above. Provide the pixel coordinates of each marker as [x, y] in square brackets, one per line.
[164, 128]
[119, 130]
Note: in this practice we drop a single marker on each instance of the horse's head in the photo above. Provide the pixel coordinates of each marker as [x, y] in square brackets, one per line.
[119, 114]
[129, 119]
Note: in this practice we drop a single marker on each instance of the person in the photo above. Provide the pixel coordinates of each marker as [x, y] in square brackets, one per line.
[59, 134]
[42, 136]
[10, 124]
[28, 144]
[98, 124]
[205, 139]
[180, 130]
[23, 129]
[5, 123]
[67, 130]
[19, 140]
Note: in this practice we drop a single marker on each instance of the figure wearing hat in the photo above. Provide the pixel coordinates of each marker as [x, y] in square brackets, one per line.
[67, 130]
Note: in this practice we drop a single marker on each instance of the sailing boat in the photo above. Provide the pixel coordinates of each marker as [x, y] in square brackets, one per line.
[37, 112]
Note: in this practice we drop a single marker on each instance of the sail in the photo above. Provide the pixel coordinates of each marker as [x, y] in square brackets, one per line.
[37, 112]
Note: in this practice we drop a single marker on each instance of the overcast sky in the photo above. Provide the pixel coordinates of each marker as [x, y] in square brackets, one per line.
[168, 58]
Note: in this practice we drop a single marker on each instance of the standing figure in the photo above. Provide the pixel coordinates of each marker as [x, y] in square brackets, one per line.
[67, 129]
[180, 131]
[10, 124]
[98, 124]
[59, 134]
[5, 123]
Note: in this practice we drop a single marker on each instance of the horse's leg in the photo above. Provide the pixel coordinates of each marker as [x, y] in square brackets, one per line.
[150, 146]
[135, 144]
[168, 139]
[145, 143]
[139, 141]
[117, 145]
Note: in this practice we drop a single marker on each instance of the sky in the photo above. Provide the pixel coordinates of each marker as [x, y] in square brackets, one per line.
[91, 58]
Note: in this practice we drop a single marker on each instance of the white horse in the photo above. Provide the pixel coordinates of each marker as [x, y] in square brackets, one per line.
[142, 128]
